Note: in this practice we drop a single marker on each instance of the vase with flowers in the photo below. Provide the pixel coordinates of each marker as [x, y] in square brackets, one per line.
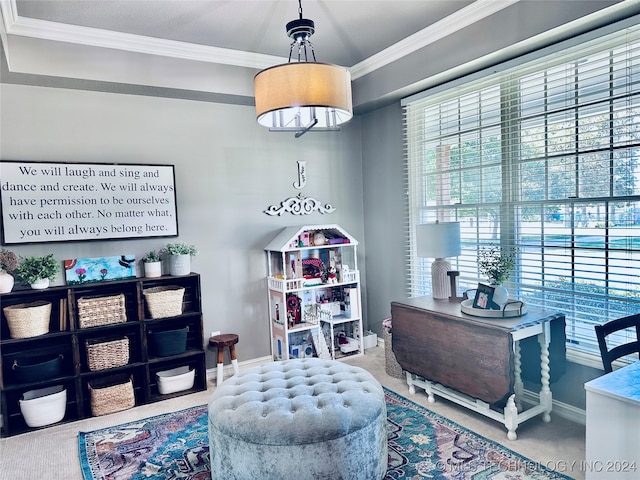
[496, 263]
[8, 263]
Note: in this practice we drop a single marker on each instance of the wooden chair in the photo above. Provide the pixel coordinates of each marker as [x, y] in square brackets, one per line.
[609, 355]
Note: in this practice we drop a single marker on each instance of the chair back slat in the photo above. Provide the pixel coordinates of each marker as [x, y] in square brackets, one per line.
[609, 355]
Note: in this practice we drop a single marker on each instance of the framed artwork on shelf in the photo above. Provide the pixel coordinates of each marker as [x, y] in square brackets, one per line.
[484, 298]
[101, 269]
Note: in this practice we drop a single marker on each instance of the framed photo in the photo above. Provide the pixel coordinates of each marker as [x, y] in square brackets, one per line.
[484, 298]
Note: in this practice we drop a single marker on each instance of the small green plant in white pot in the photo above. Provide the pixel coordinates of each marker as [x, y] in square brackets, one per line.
[37, 271]
[496, 263]
[179, 255]
[152, 264]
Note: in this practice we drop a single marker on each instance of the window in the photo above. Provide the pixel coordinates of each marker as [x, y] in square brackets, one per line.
[543, 157]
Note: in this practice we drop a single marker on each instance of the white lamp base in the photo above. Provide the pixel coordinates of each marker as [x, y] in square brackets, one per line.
[440, 284]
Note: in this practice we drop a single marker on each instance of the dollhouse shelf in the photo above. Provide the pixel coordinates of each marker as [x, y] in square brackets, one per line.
[314, 293]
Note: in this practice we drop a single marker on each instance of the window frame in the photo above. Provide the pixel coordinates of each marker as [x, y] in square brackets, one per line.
[509, 206]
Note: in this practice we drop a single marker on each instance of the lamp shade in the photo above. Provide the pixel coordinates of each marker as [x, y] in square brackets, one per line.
[438, 240]
[296, 94]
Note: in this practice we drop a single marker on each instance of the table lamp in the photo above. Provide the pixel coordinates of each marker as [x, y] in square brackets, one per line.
[438, 241]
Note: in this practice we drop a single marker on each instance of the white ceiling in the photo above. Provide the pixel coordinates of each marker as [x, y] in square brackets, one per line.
[218, 46]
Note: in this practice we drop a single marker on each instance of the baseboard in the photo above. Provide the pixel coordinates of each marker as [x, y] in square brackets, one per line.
[561, 409]
[212, 373]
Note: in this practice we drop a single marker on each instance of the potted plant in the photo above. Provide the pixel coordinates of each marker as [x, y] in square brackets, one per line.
[179, 257]
[152, 264]
[37, 271]
[8, 263]
[496, 263]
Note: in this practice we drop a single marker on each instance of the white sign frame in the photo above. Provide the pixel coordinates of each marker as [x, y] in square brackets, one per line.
[47, 202]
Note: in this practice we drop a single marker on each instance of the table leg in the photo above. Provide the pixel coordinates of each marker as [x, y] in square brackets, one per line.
[518, 386]
[545, 392]
[412, 381]
[511, 418]
[412, 388]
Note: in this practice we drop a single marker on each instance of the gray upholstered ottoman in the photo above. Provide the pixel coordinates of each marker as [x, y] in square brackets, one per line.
[299, 419]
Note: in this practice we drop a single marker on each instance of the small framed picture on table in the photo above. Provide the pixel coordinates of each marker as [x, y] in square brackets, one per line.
[484, 298]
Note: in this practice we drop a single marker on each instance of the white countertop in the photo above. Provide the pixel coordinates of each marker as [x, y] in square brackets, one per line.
[622, 384]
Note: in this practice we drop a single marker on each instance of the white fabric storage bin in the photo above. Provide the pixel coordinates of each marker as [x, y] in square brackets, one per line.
[176, 379]
[370, 339]
[44, 406]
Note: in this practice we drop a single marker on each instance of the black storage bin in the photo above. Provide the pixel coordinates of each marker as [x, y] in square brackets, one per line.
[169, 342]
[37, 368]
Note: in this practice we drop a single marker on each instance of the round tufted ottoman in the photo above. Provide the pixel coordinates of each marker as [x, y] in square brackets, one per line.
[300, 419]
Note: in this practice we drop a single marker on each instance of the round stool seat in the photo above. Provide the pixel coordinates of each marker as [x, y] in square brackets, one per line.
[219, 342]
[224, 340]
[301, 418]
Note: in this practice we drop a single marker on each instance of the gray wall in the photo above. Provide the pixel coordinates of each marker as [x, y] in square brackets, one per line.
[385, 213]
[228, 170]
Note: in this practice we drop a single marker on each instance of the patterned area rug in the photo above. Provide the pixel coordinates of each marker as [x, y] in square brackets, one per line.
[422, 445]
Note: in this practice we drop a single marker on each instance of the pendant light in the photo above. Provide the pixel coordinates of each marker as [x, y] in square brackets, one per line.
[300, 95]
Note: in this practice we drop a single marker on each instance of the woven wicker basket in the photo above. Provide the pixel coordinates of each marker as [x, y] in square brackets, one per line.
[96, 311]
[164, 301]
[391, 365]
[28, 319]
[103, 354]
[110, 395]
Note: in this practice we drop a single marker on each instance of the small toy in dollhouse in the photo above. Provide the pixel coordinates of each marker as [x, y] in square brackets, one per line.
[332, 275]
[303, 239]
[319, 238]
[312, 271]
[294, 314]
[347, 344]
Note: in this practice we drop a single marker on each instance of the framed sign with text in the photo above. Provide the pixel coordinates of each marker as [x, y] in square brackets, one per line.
[60, 202]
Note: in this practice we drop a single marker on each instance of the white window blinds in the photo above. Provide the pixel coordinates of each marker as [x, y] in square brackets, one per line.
[543, 157]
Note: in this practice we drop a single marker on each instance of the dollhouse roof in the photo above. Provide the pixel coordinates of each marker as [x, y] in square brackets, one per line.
[287, 239]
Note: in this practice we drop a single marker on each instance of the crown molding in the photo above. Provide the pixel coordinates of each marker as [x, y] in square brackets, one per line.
[456, 21]
[60, 32]
[7, 18]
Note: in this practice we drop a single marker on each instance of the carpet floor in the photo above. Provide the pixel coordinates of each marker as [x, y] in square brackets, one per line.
[559, 444]
[422, 444]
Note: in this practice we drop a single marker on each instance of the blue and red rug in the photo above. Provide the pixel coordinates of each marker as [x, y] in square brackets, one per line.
[422, 445]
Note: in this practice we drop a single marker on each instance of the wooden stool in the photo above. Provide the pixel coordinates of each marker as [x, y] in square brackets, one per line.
[221, 341]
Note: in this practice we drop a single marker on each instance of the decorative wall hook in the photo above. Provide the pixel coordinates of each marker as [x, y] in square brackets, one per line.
[302, 175]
